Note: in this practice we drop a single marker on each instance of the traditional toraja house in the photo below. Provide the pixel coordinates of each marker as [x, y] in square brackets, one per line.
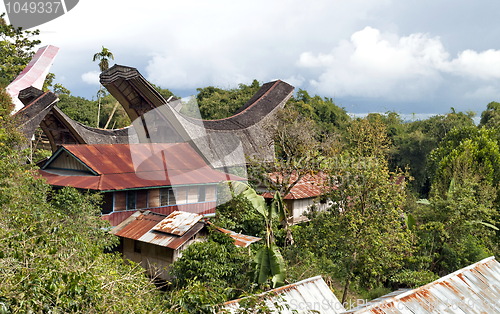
[159, 177]
[307, 193]
[155, 241]
[224, 142]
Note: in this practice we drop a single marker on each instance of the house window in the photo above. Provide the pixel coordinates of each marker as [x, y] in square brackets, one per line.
[201, 194]
[131, 199]
[210, 192]
[108, 203]
[137, 247]
[181, 195]
[167, 197]
[193, 195]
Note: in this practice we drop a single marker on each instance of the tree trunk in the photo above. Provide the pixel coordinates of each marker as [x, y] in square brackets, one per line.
[112, 114]
[346, 289]
[99, 105]
[288, 238]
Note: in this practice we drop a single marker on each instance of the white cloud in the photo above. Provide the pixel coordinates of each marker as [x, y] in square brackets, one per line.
[324, 47]
[482, 65]
[91, 77]
[309, 60]
[372, 64]
[393, 67]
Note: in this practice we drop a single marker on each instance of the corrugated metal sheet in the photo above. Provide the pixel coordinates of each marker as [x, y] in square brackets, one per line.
[473, 289]
[116, 218]
[239, 239]
[307, 296]
[308, 186]
[139, 226]
[133, 166]
[177, 223]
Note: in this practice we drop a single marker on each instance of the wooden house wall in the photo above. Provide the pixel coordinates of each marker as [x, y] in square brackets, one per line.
[142, 199]
[154, 198]
[67, 162]
[154, 258]
[300, 207]
[120, 200]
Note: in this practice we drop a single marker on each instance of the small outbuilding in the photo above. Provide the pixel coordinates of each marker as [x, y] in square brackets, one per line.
[155, 240]
[307, 193]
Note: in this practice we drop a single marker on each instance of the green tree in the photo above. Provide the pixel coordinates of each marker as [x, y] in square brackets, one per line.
[363, 233]
[490, 118]
[16, 50]
[52, 245]
[297, 153]
[195, 297]
[217, 103]
[413, 143]
[78, 108]
[466, 149]
[329, 117]
[103, 57]
[457, 229]
[368, 137]
[457, 226]
[216, 263]
[83, 110]
[239, 215]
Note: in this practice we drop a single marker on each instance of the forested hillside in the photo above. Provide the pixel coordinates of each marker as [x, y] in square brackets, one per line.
[410, 202]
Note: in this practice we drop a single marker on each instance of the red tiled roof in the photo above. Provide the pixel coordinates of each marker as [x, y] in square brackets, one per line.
[132, 166]
[310, 185]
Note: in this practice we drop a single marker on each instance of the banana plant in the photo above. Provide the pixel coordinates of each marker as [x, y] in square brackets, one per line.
[268, 260]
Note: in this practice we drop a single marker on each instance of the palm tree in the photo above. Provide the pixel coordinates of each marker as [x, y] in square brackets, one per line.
[103, 58]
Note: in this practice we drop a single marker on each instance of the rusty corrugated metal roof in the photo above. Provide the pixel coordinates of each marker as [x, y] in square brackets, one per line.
[239, 239]
[473, 289]
[122, 158]
[133, 166]
[311, 295]
[140, 226]
[310, 185]
[177, 223]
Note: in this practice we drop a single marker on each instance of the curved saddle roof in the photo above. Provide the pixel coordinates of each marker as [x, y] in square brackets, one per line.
[223, 143]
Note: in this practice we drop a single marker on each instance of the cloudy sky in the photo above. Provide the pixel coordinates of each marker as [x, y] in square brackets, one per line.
[368, 55]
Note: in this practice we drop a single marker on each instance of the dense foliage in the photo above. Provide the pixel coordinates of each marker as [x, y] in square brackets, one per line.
[218, 103]
[52, 245]
[216, 263]
[16, 50]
